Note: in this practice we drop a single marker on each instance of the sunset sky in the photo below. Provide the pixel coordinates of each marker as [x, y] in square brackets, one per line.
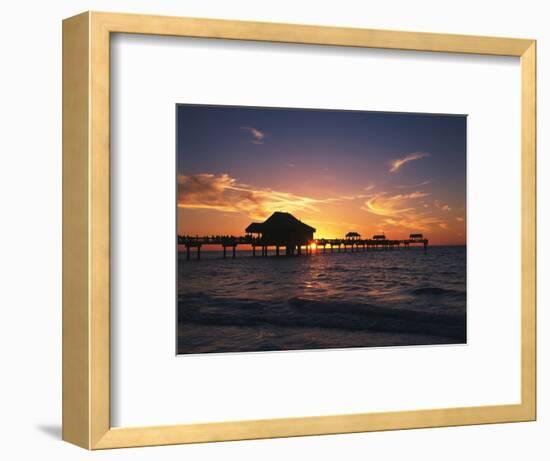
[338, 171]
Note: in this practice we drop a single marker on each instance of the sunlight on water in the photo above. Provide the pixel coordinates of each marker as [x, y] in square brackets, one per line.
[376, 298]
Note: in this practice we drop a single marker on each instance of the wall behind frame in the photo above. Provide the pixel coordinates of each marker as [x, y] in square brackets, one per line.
[30, 243]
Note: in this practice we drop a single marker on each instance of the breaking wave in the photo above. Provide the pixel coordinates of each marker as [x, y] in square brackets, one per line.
[200, 308]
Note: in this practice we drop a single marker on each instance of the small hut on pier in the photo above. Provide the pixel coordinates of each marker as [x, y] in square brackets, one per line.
[416, 237]
[282, 229]
[379, 237]
[353, 236]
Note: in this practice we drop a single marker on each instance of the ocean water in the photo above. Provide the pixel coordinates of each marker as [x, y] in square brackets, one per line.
[361, 299]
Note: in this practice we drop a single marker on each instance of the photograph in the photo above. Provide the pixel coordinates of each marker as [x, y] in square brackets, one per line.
[307, 229]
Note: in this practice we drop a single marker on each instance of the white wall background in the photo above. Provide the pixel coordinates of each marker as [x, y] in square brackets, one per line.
[30, 234]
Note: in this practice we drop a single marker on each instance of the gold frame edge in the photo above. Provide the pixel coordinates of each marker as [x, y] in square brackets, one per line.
[75, 274]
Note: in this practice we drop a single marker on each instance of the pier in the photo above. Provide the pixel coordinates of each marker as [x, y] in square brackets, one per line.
[283, 232]
[263, 248]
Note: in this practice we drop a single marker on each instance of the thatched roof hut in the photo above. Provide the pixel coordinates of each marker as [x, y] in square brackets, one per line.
[282, 229]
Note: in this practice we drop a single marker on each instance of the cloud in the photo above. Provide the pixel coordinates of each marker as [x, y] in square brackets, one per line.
[413, 186]
[412, 195]
[442, 206]
[383, 204]
[345, 197]
[257, 136]
[401, 211]
[224, 193]
[415, 222]
[398, 163]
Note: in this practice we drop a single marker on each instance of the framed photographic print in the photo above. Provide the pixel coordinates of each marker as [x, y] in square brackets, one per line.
[277, 230]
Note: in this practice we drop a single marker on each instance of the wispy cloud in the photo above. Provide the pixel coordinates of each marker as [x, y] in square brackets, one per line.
[401, 210]
[340, 198]
[442, 206]
[224, 193]
[383, 204]
[412, 195]
[415, 222]
[413, 186]
[256, 136]
[398, 163]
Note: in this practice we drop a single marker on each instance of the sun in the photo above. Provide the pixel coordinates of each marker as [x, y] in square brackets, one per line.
[313, 245]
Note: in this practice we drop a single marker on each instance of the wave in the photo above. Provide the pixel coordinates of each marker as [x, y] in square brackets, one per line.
[296, 312]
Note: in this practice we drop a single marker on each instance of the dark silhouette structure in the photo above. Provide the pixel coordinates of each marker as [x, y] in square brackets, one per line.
[353, 236]
[282, 229]
[379, 237]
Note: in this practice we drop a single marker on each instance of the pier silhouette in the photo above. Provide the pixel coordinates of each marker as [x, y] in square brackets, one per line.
[284, 231]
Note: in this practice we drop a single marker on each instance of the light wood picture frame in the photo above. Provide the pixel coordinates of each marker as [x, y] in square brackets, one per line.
[86, 230]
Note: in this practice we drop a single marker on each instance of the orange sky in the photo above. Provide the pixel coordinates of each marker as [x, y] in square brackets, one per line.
[366, 172]
[228, 208]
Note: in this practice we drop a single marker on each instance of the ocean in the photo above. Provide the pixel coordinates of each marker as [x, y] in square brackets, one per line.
[362, 299]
